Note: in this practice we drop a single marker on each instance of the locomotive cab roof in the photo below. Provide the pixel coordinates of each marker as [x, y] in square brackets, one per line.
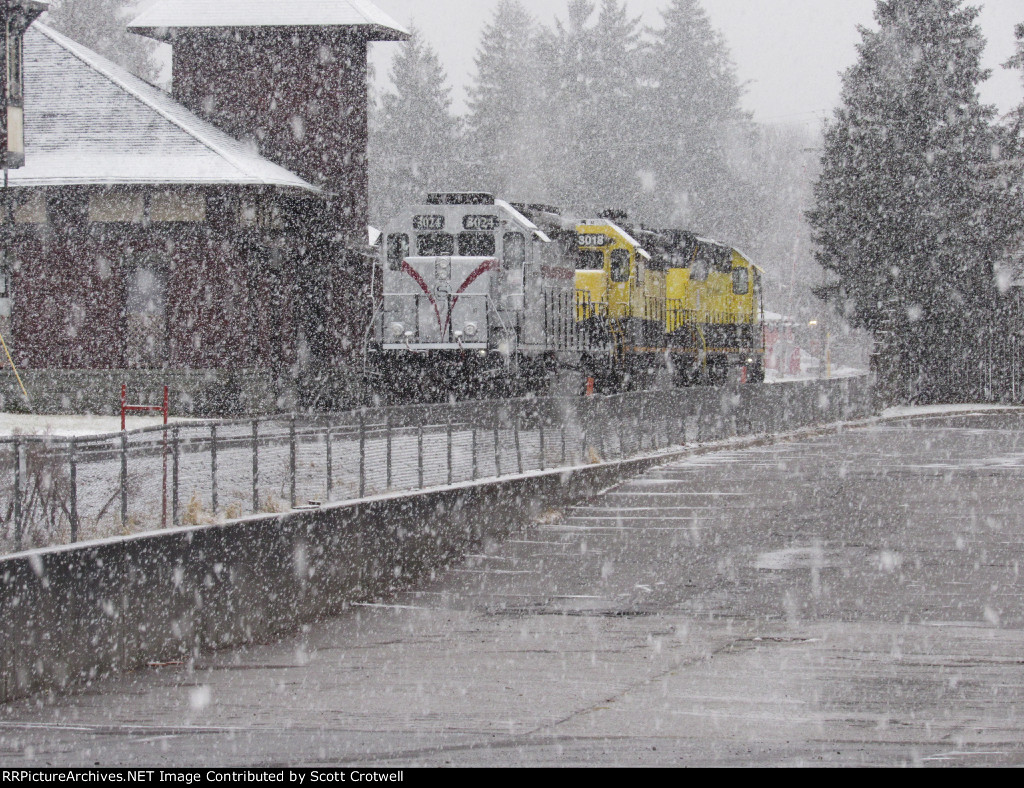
[460, 198]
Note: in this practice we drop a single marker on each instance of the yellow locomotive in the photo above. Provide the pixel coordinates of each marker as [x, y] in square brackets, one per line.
[713, 312]
[668, 299]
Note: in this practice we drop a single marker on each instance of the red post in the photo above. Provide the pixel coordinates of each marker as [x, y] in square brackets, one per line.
[165, 406]
[590, 387]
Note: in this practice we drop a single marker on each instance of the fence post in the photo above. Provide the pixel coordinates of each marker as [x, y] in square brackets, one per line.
[292, 460]
[419, 452]
[362, 452]
[619, 425]
[388, 440]
[255, 466]
[73, 461]
[583, 437]
[473, 451]
[124, 480]
[497, 445]
[213, 467]
[515, 435]
[448, 425]
[540, 428]
[175, 461]
[17, 494]
[330, 464]
[562, 435]
[640, 425]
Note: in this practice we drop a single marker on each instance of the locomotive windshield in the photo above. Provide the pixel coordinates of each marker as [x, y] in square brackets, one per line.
[435, 245]
[476, 244]
[590, 260]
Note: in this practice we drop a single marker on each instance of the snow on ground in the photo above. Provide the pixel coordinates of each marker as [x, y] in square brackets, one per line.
[772, 376]
[903, 411]
[77, 426]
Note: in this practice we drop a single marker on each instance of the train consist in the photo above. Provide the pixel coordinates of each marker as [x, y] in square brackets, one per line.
[478, 293]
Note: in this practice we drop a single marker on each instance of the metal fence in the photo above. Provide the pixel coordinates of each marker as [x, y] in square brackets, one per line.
[61, 490]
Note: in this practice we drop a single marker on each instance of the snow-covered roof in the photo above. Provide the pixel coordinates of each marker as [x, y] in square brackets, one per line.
[164, 16]
[90, 122]
[631, 241]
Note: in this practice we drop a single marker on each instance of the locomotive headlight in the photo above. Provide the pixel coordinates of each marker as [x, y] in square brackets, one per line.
[397, 329]
[470, 329]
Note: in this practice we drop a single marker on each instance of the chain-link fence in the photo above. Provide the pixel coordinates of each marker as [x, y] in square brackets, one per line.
[62, 490]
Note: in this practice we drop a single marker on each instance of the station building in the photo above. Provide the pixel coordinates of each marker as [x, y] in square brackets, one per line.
[214, 238]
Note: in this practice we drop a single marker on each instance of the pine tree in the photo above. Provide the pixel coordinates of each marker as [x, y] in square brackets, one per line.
[505, 126]
[616, 115]
[569, 94]
[692, 117]
[101, 25]
[900, 202]
[415, 141]
[591, 87]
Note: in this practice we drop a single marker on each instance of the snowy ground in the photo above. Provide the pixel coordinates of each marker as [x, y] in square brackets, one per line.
[68, 426]
[773, 376]
[934, 410]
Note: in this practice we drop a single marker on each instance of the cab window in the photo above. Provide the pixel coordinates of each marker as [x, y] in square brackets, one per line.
[740, 281]
[699, 270]
[476, 244]
[590, 260]
[515, 250]
[398, 250]
[435, 245]
[620, 265]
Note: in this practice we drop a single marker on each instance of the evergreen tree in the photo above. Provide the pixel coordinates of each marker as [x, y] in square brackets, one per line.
[617, 125]
[415, 142]
[591, 88]
[1007, 219]
[505, 126]
[101, 26]
[901, 199]
[693, 119]
[568, 91]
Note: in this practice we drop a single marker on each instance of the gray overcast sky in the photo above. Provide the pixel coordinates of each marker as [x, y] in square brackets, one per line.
[789, 52]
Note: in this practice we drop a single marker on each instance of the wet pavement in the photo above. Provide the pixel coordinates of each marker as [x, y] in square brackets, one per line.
[849, 599]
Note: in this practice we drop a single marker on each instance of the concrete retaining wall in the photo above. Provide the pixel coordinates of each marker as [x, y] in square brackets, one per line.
[68, 615]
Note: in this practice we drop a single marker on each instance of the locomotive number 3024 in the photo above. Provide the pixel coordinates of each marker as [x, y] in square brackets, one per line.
[427, 222]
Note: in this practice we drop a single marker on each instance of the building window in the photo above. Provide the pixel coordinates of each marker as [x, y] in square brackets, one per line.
[30, 208]
[174, 206]
[117, 207]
